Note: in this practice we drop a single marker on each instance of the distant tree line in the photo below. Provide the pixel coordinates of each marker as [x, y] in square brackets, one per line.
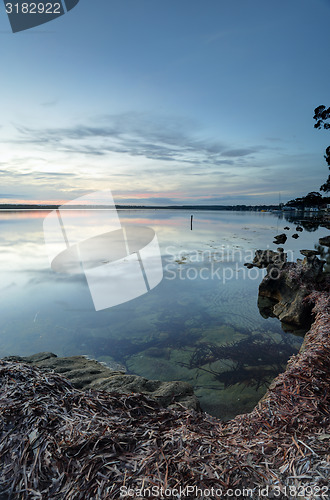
[313, 199]
[13, 206]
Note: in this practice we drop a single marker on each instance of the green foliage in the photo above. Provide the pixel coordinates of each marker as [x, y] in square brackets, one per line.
[322, 117]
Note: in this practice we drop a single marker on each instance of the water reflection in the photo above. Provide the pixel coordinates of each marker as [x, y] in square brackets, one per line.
[207, 297]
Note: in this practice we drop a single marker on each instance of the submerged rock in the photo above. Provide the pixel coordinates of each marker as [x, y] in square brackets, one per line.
[86, 373]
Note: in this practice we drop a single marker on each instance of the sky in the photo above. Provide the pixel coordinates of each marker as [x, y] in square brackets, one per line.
[166, 102]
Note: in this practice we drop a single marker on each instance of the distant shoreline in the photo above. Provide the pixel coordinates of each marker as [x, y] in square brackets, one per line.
[26, 207]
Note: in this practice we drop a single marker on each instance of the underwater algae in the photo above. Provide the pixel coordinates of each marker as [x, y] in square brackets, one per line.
[228, 377]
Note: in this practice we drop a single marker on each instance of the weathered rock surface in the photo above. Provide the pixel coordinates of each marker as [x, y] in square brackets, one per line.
[85, 373]
[283, 291]
[309, 253]
[263, 258]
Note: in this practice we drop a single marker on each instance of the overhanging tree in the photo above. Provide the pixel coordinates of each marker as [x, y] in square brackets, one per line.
[322, 117]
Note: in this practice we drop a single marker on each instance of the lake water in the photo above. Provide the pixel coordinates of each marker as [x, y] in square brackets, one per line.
[201, 324]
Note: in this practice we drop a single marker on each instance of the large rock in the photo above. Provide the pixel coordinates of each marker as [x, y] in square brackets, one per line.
[263, 258]
[309, 253]
[280, 239]
[283, 291]
[86, 373]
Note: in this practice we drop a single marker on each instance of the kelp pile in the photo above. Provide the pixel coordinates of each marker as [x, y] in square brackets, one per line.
[254, 360]
[61, 443]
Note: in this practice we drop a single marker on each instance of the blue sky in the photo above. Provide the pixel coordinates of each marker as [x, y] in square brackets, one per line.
[166, 102]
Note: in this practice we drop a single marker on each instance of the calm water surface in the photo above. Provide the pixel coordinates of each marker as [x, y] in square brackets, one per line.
[201, 324]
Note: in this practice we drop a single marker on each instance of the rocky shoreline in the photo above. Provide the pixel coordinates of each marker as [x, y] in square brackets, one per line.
[284, 290]
[62, 442]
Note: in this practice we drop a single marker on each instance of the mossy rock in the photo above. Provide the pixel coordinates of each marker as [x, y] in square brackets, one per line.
[85, 373]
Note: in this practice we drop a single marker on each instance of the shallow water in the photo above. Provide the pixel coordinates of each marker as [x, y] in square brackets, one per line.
[201, 324]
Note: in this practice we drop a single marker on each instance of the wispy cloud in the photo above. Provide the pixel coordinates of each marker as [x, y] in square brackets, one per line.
[138, 135]
[12, 195]
[242, 151]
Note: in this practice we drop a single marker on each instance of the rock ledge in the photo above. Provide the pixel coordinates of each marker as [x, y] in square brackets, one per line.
[86, 373]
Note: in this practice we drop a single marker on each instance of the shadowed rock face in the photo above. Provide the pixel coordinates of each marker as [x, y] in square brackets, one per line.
[283, 291]
[86, 373]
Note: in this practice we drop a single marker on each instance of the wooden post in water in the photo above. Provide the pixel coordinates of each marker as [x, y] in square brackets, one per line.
[191, 219]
